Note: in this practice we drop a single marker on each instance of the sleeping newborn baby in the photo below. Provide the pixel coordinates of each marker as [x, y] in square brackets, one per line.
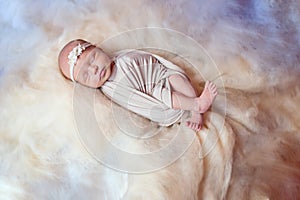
[142, 82]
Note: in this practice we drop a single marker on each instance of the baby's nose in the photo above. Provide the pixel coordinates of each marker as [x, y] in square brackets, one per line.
[93, 69]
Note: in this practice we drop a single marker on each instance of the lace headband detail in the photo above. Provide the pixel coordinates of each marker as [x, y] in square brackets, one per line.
[73, 56]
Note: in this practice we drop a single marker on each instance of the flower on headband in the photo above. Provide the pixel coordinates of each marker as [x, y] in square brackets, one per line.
[73, 56]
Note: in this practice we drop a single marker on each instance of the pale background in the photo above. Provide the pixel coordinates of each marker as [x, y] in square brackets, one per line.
[254, 43]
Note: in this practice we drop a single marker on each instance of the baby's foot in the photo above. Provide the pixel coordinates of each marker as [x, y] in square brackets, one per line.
[207, 97]
[195, 122]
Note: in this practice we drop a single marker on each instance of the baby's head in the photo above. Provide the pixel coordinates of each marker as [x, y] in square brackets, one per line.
[85, 63]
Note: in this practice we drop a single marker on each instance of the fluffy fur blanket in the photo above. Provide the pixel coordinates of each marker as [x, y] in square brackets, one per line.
[249, 148]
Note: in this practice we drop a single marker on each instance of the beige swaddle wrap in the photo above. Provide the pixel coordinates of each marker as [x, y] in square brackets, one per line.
[139, 82]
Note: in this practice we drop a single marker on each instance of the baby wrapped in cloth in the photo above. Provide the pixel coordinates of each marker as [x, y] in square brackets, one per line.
[139, 82]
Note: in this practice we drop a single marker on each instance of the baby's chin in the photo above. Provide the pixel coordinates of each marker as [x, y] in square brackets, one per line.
[99, 84]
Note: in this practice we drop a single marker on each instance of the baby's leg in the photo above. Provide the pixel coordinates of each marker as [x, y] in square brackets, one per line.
[183, 86]
[199, 104]
[207, 97]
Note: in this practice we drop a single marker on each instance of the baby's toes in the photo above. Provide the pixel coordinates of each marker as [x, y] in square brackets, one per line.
[212, 86]
[207, 84]
[199, 127]
[215, 92]
[194, 126]
[189, 124]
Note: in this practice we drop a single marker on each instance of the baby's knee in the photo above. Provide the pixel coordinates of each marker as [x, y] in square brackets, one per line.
[178, 79]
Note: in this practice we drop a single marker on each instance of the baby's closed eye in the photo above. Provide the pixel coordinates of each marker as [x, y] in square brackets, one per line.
[92, 59]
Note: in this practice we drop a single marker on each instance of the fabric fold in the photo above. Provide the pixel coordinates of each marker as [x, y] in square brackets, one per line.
[140, 84]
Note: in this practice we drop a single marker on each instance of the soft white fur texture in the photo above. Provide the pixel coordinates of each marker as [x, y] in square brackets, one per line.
[255, 45]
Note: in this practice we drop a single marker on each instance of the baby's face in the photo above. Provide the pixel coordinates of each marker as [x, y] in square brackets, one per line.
[93, 67]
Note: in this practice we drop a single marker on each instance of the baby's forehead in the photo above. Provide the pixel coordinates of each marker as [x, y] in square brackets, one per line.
[64, 53]
[70, 47]
[63, 57]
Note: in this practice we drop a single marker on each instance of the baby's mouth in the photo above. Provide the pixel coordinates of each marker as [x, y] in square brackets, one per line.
[102, 73]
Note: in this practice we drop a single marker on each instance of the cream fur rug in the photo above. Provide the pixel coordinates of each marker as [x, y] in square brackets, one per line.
[249, 148]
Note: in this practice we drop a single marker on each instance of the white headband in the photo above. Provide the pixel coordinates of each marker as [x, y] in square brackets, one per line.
[73, 56]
